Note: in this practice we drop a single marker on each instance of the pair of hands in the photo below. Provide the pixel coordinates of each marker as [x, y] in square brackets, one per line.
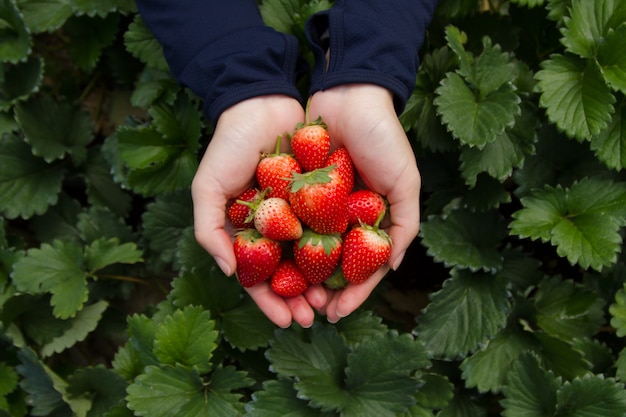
[360, 117]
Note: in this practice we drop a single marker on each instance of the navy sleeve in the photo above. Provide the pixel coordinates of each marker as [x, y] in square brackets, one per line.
[371, 41]
[222, 50]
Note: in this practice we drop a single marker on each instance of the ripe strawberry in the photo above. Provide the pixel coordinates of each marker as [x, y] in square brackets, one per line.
[320, 199]
[365, 206]
[238, 213]
[341, 158]
[317, 255]
[275, 219]
[257, 257]
[287, 280]
[365, 249]
[311, 144]
[274, 170]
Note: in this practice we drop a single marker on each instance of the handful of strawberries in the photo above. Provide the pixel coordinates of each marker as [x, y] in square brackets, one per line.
[306, 223]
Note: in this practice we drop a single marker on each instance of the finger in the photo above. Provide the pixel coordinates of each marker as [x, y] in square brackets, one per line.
[346, 301]
[273, 305]
[301, 310]
[317, 296]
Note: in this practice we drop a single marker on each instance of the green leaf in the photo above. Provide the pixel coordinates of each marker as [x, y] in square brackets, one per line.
[582, 222]
[486, 195]
[138, 351]
[456, 39]
[180, 121]
[181, 392]
[465, 240]
[488, 369]
[463, 405]
[88, 38]
[279, 398]
[468, 311]
[28, 185]
[612, 60]
[103, 7]
[44, 16]
[8, 379]
[15, 42]
[529, 3]
[530, 391]
[566, 310]
[575, 95]
[436, 391]
[245, 326]
[58, 222]
[360, 327]
[191, 257]
[588, 23]
[101, 188]
[592, 395]
[104, 252]
[79, 327]
[56, 268]
[187, 338]
[618, 312]
[621, 365]
[610, 144]
[20, 81]
[560, 356]
[142, 44]
[54, 129]
[475, 120]
[165, 220]
[103, 387]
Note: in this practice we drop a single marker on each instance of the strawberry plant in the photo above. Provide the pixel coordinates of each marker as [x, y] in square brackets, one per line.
[511, 301]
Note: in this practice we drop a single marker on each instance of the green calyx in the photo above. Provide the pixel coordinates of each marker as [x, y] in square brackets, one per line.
[318, 176]
[328, 241]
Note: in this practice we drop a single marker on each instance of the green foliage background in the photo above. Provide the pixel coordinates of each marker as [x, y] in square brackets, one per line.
[512, 301]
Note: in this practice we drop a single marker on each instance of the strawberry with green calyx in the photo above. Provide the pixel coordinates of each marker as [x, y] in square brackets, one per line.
[287, 280]
[317, 255]
[365, 206]
[257, 257]
[239, 213]
[274, 219]
[310, 144]
[274, 170]
[320, 199]
[365, 249]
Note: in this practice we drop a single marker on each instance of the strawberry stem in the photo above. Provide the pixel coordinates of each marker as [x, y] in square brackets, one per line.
[380, 218]
[278, 140]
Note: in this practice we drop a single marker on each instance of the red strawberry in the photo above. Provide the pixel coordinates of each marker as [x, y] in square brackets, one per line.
[288, 280]
[275, 219]
[311, 144]
[320, 199]
[317, 255]
[341, 158]
[239, 214]
[365, 249]
[274, 170]
[257, 257]
[365, 206]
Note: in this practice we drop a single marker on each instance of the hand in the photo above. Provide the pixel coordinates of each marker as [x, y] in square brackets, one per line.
[242, 133]
[362, 118]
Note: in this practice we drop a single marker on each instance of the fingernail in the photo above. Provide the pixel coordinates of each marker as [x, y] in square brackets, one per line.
[223, 266]
[398, 261]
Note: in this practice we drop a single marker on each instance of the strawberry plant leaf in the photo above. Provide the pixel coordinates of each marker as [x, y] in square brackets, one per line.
[360, 326]
[575, 95]
[245, 326]
[618, 312]
[180, 120]
[610, 144]
[435, 391]
[164, 222]
[488, 115]
[137, 353]
[56, 268]
[487, 194]
[187, 338]
[206, 288]
[55, 129]
[97, 223]
[279, 398]
[583, 229]
[102, 7]
[79, 327]
[620, 364]
[58, 222]
[588, 24]
[463, 405]
[142, 44]
[567, 311]
[16, 42]
[101, 188]
[191, 257]
[530, 391]
[8, 379]
[560, 356]
[612, 62]
[179, 391]
[465, 240]
[104, 252]
[103, 387]
[45, 16]
[28, 185]
[529, 3]
[445, 325]
[592, 395]
[89, 36]
[19, 81]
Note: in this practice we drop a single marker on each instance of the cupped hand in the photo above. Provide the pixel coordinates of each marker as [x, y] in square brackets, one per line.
[362, 118]
[242, 133]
